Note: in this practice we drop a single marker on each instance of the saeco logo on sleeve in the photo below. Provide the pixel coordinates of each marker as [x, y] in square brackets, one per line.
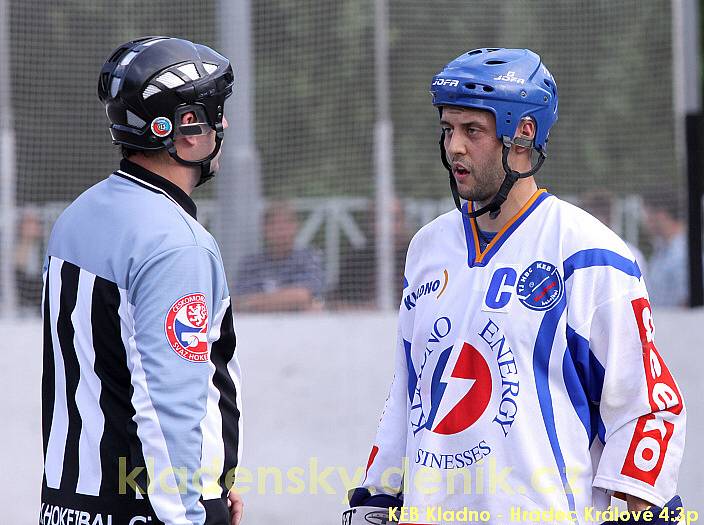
[187, 327]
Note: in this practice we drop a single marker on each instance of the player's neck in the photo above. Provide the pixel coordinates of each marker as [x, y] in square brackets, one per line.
[182, 176]
[521, 192]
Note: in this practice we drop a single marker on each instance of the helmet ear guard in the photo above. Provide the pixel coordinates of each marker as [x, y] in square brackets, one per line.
[206, 173]
[201, 126]
[512, 84]
[193, 129]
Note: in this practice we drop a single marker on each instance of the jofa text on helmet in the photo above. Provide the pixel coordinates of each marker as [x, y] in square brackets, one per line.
[510, 77]
[446, 82]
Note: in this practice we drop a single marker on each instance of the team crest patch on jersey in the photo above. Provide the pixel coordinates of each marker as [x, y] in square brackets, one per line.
[540, 286]
[187, 327]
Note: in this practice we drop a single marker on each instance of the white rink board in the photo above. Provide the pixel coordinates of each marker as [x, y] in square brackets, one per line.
[314, 386]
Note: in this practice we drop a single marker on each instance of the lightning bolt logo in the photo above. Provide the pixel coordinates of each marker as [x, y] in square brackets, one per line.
[461, 396]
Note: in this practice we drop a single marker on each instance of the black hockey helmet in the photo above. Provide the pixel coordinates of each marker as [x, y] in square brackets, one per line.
[148, 84]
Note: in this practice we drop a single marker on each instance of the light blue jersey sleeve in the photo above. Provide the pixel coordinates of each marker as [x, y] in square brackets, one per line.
[173, 302]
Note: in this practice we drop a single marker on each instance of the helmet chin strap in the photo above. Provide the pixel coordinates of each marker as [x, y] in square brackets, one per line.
[510, 177]
[205, 170]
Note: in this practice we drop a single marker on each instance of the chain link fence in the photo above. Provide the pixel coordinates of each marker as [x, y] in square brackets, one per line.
[314, 114]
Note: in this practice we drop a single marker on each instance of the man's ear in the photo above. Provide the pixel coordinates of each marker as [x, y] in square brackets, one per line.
[526, 130]
[188, 118]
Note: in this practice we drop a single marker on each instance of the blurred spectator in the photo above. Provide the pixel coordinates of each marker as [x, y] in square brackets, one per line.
[667, 273]
[600, 204]
[357, 284]
[28, 260]
[282, 277]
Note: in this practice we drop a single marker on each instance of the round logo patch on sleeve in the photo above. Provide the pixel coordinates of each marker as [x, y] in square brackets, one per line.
[187, 327]
[540, 286]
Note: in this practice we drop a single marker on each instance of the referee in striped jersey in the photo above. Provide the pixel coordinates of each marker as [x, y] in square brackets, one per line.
[141, 384]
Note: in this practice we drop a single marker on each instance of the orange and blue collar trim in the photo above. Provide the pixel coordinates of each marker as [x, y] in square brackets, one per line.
[477, 257]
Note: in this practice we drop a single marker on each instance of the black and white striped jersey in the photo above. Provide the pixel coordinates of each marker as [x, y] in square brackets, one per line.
[141, 383]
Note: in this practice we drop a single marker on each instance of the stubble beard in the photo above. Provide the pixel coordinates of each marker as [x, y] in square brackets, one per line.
[484, 183]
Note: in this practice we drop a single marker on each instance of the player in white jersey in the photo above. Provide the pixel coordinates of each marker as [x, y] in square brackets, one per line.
[527, 385]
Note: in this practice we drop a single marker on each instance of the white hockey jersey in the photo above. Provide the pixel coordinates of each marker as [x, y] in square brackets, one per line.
[526, 375]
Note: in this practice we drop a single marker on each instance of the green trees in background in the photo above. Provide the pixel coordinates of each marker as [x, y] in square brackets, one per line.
[314, 89]
[57, 48]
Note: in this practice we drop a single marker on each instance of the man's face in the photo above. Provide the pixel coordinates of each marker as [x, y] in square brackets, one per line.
[473, 151]
[200, 146]
[655, 222]
[215, 163]
[280, 228]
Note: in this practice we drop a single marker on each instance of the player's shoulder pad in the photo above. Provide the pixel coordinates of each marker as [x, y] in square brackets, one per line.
[583, 231]
[166, 225]
[438, 228]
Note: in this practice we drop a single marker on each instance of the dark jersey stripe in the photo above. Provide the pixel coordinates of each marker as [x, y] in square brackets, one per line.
[119, 444]
[48, 382]
[65, 331]
[221, 353]
[216, 511]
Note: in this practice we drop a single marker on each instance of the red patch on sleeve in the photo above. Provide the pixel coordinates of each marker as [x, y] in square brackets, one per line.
[186, 327]
[652, 434]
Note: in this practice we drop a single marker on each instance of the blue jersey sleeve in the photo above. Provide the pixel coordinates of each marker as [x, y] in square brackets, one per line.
[173, 301]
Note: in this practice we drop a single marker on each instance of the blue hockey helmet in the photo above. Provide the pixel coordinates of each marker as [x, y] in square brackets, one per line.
[512, 84]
